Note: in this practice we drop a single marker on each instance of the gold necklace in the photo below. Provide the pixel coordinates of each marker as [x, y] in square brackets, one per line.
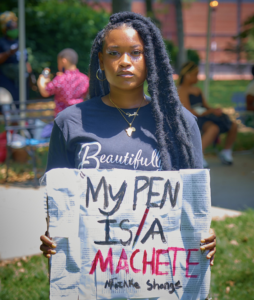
[130, 129]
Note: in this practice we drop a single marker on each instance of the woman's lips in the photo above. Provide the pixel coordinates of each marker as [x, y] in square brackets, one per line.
[126, 75]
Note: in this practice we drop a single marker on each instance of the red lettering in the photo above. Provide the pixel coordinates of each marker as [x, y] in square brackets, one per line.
[152, 262]
[103, 264]
[132, 259]
[190, 263]
[158, 263]
[123, 263]
[175, 249]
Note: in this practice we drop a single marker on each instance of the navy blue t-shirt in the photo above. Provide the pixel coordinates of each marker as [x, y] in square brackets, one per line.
[92, 134]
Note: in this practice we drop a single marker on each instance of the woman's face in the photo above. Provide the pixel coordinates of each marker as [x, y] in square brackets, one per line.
[193, 76]
[123, 59]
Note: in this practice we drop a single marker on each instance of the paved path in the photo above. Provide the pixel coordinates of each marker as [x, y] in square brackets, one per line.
[22, 216]
[233, 186]
[22, 221]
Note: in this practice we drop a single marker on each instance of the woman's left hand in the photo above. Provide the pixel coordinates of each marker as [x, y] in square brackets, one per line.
[209, 244]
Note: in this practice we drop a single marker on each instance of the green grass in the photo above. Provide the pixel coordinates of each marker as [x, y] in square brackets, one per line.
[234, 266]
[221, 92]
[29, 281]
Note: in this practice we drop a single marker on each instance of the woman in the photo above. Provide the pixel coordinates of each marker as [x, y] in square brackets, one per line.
[120, 127]
[9, 55]
[211, 121]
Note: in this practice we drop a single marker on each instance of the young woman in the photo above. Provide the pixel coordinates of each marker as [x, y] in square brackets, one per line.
[211, 121]
[120, 127]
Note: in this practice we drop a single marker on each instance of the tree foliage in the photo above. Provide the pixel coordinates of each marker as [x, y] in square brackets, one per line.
[246, 36]
[52, 26]
[172, 49]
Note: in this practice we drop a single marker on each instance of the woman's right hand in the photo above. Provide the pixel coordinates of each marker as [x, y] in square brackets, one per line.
[47, 246]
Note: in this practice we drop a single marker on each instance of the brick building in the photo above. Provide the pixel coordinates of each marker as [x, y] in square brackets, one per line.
[225, 22]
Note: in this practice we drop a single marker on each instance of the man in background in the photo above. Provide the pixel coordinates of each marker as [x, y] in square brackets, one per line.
[69, 86]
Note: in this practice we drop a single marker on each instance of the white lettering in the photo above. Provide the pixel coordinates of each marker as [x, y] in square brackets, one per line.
[86, 157]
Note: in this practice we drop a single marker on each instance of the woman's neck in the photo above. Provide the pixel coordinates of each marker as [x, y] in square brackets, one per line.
[125, 99]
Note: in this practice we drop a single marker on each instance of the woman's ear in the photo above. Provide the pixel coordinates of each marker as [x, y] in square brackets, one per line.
[100, 55]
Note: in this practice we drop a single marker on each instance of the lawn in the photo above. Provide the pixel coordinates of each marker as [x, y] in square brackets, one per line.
[232, 274]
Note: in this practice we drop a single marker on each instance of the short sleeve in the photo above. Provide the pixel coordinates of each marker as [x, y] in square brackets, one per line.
[58, 155]
[197, 146]
[53, 86]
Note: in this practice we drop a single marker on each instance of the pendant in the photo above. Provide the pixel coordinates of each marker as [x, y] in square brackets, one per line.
[132, 115]
[130, 130]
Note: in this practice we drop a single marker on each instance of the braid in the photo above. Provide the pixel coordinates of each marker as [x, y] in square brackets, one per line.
[172, 132]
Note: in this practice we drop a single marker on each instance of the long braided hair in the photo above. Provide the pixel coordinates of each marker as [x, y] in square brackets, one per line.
[172, 132]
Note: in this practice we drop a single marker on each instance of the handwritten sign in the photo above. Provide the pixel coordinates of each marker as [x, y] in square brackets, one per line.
[124, 234]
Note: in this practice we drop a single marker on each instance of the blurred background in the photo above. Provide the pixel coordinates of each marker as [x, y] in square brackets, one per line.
[218, 36]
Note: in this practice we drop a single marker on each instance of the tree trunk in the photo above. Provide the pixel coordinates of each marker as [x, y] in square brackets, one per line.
[121, 5]
[181, 57]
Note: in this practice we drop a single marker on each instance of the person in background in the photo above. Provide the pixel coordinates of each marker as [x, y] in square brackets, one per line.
[250, 93]
[211, 121]
[69, 86]
[9, 55]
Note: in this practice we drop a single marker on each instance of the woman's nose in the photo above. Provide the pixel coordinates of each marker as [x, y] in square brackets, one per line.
[125, 60]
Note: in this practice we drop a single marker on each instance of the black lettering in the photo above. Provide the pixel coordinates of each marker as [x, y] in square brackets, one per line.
[166, 286]
[168, 189]
[178, 285]
[138, 190]
[136, 285]
[151, 231]
[119, 196]
[131, 283]
[96, 193]
[125, 284]
[120, 284]
[107, 236]
[109, 283]
[172, 288]
[150, 285]
[155, 284]
[129, 240]
[151, 193]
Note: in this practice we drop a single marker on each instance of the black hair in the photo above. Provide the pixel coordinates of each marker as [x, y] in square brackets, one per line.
[252, 70]
[172, 131]
[70, 54]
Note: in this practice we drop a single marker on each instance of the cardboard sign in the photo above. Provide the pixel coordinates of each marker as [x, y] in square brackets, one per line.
[124, 234]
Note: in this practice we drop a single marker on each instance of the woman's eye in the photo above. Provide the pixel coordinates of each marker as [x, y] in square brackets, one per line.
[136, 52]
[113, 53]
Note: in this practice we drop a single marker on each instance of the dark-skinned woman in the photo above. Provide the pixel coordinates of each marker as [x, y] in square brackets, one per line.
[121, 127]
[211, 121]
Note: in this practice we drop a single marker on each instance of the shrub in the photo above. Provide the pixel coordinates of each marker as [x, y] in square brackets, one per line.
[52, 26]
[172, 49]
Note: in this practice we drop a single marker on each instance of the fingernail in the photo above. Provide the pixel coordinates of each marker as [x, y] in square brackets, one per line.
[202, 241]
[208, 256]
[202, 248]
[53, 245]
[53, 251]
[212, 263]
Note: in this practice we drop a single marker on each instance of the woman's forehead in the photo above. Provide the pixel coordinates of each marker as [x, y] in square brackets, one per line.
[122, 37]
